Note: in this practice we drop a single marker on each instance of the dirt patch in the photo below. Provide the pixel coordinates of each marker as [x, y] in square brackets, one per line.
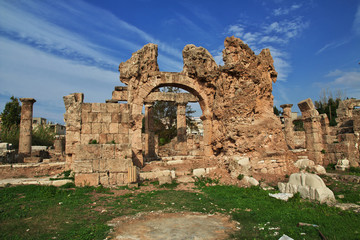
[183, 225]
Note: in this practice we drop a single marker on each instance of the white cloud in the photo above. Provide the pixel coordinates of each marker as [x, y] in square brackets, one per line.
[356, 23]
[27, 72]
[36, 23]
[278, 34]
[33, 30]
[348, 81]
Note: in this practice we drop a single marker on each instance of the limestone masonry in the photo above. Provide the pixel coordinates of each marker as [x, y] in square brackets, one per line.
[241, 140]
[105, 144]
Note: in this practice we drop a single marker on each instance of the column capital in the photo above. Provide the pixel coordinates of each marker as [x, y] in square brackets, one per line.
[28, 100]
[149, 104]
[283, 106]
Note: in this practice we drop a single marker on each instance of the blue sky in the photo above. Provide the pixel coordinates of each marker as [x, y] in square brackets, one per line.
[49, 49]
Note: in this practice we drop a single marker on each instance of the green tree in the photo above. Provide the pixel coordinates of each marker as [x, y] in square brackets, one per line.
[165, 118]
[43, 136]
[10, 121]
[277, 112]
[10, 117]
[328, 105]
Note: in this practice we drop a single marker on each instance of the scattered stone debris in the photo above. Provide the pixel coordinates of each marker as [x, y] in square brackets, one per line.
[281, 196]
[309, 186]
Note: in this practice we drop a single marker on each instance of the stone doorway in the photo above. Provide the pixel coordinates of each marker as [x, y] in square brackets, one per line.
[166, 128]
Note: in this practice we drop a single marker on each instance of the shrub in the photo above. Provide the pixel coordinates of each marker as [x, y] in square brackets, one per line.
[43, 136]
[240, 177]
[93, 141]
[11, 135]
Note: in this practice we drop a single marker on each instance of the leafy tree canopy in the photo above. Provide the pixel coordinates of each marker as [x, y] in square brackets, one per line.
[11, 114]
[165, 117]
[328, 104]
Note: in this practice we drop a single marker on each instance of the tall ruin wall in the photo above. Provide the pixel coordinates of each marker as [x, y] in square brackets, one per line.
[236, 101]
[98, 150]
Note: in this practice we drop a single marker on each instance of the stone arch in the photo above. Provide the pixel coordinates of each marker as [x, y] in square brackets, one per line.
[177, 80]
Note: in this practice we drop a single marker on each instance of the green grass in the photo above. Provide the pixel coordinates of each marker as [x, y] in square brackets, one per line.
[76, 213]
[350, 190]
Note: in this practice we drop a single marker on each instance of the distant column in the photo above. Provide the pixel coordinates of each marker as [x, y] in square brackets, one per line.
[149, 134]
[181, 127]
[25, 138]
[289, 131]
[313, 131]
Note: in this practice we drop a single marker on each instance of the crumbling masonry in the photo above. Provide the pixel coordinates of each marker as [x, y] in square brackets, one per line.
[241, 132]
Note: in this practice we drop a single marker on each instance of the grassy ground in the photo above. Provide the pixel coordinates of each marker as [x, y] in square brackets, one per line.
[40, 212]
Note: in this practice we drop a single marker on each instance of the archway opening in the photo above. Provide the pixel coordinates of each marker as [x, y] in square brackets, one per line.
[171, 126]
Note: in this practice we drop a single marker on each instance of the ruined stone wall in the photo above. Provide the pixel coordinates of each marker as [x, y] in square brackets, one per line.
[97, 141]
[236, 100]
[325, 144]
[194, 143]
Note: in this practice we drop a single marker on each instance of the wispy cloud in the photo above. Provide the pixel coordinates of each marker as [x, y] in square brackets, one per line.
[286, 11]
[332, 45]
[356, 23]
[275, 36]
[349, 81]
[37, 24]
[49, 78]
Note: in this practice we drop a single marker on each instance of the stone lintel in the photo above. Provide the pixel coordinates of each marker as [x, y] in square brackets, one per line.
[121, 88]
[121, 95]
[111, 101]
[171, 97]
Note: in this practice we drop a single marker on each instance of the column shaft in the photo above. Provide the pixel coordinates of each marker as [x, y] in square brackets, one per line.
[25, 138]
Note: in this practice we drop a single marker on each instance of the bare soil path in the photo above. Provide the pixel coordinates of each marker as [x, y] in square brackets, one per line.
[175, 226]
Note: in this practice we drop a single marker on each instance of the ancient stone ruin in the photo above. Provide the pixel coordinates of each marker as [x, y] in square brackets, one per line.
[104, 143]
[243, 141]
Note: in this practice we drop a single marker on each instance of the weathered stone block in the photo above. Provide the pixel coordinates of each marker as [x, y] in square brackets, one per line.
[87, 179]
[199, 172]
[82, 166]
[86, 128]
[105, 128]
[164, 180]
[102, 138]
[86, 107]
[96, 128]
[104, 179]
[113, 107]
[94, 117]
[122, 178]
[108, 151]
[106, 117]
[116, 165]
[115, 117]
[114, 128]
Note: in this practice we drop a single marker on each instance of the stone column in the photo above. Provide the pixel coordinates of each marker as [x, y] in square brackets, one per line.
[313, 132]
[207, 135]
[181, 127]
[149, 133]
[59, 145]
[26, 125]
[289, 127]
